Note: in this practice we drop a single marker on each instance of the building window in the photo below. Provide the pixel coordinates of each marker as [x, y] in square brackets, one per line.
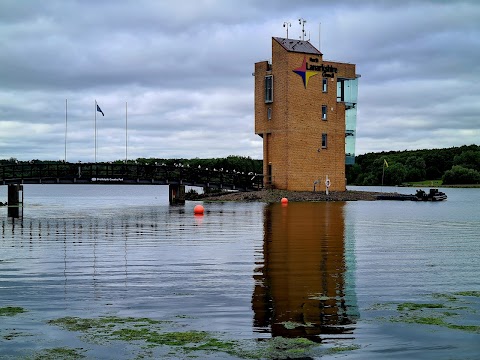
[269, 88]
[324, 84]
[269, 113]
[324, 141]
[324, 112]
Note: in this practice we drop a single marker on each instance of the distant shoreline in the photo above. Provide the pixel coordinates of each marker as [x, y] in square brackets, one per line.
[459, 186]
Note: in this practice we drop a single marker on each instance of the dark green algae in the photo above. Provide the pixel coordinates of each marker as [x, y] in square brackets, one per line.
[149, 333]
[447, 312]
[145, 334]
[11, 310]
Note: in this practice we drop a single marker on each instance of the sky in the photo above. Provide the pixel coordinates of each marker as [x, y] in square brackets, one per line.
[182, 72]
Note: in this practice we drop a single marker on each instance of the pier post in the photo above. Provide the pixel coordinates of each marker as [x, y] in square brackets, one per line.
[14, 194]
[14, 200]
[176, 194]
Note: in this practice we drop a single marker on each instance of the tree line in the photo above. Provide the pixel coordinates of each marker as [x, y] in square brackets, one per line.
[231, 163]
[453, 166]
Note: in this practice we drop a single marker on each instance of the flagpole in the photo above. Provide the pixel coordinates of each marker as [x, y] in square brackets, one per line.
[95, 131]
[383, 173]
[66, 117]
[126, 133]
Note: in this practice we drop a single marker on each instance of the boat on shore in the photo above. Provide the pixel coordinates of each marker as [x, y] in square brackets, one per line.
[420, 195]
[432, 195]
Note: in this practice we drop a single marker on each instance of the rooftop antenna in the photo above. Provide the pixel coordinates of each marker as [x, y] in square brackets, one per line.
[286, 24]
[302, 22]
[319, 33]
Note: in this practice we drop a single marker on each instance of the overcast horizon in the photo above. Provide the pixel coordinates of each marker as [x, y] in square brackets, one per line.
[185, 70]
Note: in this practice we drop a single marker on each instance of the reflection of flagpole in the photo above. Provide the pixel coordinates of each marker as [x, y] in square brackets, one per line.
[126, 134]
[66, 107]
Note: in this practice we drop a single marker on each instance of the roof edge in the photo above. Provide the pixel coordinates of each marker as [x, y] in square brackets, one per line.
[299, 46]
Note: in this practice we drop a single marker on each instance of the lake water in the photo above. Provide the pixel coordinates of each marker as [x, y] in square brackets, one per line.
[359, 280]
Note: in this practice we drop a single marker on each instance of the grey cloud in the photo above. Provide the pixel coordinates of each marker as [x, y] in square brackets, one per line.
[185, 70]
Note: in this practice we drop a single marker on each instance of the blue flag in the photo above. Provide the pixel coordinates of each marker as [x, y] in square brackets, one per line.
[100, 110]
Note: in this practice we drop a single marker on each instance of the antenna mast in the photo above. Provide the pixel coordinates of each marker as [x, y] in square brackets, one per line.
[319, 33]
[286, 24]
[302, 22]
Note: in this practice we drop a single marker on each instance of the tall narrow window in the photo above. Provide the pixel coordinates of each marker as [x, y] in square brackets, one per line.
[269, 174]
[324, 84]
[324, 112]
[269, 113]
[324, 141]
[269, 88]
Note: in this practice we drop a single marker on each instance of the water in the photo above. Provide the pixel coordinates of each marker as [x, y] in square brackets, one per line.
[335, 273]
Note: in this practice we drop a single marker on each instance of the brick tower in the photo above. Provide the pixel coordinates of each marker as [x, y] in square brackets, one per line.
[305, 111]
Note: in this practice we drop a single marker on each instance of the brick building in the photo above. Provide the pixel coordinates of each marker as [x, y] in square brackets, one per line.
[305, 111]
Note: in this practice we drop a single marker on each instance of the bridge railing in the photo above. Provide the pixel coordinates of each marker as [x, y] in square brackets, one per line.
[144, 173]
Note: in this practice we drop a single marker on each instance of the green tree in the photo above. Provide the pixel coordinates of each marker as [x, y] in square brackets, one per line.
[395, 174]
[415, 169]
[461, 175]
[369, 180]
[352, 173]
[469, 159]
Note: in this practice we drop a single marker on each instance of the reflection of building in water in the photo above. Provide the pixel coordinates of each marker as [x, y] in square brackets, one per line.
[303, 276]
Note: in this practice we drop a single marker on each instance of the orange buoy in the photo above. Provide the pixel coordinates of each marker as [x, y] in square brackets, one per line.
[198, 210]
[284, 200]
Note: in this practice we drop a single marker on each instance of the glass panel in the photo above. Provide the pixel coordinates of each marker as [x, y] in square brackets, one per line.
[350, 127]
[268, 88]
[347, 90]
[351, 91]
[324, 140]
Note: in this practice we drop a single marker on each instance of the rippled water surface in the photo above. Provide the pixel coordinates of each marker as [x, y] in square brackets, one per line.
[362, 280]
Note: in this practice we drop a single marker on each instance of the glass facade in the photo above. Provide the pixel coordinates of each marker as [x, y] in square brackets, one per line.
[347, 92]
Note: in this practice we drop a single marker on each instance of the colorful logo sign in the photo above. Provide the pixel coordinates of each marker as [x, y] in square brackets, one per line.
[306, 71]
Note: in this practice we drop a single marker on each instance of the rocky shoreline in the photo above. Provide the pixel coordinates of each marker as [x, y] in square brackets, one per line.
[273, 196]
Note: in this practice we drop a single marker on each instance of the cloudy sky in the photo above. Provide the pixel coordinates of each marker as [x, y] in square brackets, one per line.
[185, 70]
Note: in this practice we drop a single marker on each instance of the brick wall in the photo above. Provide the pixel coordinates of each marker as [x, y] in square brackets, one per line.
[293, 136]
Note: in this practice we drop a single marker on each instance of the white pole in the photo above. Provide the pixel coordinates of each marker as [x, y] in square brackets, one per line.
[319, 36]
[126, 133]
[95, 131]
[66, 107]
[383, 173]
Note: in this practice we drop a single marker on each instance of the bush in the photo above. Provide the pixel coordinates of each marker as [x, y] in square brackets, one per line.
[461, 175]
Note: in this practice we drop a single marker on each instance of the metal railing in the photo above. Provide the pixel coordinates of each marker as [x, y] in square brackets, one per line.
[116, 173]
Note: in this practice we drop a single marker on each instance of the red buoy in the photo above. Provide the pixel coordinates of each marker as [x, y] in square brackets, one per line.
[284, 200]
[198, 210]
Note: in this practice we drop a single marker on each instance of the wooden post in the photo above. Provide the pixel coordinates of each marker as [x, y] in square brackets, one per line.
[13, 194]
[176, 194]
